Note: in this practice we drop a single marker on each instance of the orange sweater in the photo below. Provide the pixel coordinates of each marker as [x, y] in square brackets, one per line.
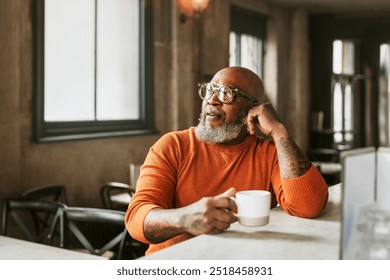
[180, 170]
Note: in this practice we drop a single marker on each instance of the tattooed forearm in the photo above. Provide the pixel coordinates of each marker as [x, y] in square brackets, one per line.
[292, 162]
[157, 233]
[157, 225]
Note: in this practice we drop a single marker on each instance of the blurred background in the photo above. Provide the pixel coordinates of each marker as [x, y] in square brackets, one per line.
[86, 87]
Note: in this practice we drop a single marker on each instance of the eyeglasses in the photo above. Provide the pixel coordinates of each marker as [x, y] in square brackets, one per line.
[225, 94]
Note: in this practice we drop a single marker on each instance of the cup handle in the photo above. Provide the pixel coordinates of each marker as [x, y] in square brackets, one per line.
[235, 202]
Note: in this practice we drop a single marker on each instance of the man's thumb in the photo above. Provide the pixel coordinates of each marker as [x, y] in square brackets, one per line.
[229, 193]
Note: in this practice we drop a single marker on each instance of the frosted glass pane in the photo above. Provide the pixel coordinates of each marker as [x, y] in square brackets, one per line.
[348, 57]
[337, 56]
[343, 57]
[251, 53]
[69, 60]
[118, 60]
[384, 95]
[337, 108]
[233, 49]
[348, 118]
[384, 58]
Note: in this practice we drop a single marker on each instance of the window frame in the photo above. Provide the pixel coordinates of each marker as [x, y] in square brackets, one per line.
[72, 130]
[248, 22]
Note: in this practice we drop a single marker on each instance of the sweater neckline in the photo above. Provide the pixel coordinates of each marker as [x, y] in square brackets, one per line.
[236, 147]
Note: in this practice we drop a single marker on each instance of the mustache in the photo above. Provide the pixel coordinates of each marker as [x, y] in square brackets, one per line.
[211, 111]
[214, 111]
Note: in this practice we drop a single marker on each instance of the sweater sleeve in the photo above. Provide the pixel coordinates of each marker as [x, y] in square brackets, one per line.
[155, 186]
[304, 196]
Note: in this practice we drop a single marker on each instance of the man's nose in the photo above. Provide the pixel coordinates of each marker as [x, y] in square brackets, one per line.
[214, 100]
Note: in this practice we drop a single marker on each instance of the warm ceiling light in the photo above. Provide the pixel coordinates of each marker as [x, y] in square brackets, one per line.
[199, 5]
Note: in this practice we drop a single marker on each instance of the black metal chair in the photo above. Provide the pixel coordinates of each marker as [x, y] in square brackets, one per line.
[54, 192]
[33, 218]
[108, 190]
[95, 231]
[50, 192]
[132, 248]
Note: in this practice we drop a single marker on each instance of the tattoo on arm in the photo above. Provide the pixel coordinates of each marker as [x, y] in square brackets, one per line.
[163, 224]
[157, 233]
[292, 162]
[158, 225]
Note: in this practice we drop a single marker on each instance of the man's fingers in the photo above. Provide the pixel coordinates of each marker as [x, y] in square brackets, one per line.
[250, 124]
[224, 203]
[224, 200]
[223, 219]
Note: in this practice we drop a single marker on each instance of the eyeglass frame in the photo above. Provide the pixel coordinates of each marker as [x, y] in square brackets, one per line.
[234, 90]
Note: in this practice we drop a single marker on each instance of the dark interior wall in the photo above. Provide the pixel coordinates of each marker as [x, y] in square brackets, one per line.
[9, 97]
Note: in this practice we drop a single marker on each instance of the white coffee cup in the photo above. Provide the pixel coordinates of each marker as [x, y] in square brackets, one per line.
[253, 207]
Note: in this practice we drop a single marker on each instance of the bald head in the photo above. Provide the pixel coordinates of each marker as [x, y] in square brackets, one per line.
[242, 78]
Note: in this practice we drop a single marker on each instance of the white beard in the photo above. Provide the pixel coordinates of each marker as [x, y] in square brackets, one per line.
[218, 135]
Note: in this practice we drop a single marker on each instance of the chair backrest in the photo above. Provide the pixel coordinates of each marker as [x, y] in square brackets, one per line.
[54, 192]
[97, 230]
[108, 190]
[34, 218]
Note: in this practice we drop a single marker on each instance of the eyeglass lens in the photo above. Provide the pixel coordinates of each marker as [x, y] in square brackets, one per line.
[224, 93]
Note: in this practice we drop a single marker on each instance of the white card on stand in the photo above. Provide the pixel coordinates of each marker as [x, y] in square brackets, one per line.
[383, 177]
[358, 188]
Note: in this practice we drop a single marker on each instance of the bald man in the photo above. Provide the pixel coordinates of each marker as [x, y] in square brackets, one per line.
[188, 176]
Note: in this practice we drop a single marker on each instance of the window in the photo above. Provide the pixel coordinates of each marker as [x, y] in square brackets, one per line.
[246, 40]
[343, 94]
[94, 69]
[384, 95]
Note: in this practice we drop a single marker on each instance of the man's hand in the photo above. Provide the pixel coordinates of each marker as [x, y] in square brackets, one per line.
[208, 215]
[265, 118]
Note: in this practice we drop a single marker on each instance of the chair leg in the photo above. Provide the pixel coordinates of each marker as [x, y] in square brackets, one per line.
[58, 216]
[122, 244]
[4, 218]
[27, 233]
